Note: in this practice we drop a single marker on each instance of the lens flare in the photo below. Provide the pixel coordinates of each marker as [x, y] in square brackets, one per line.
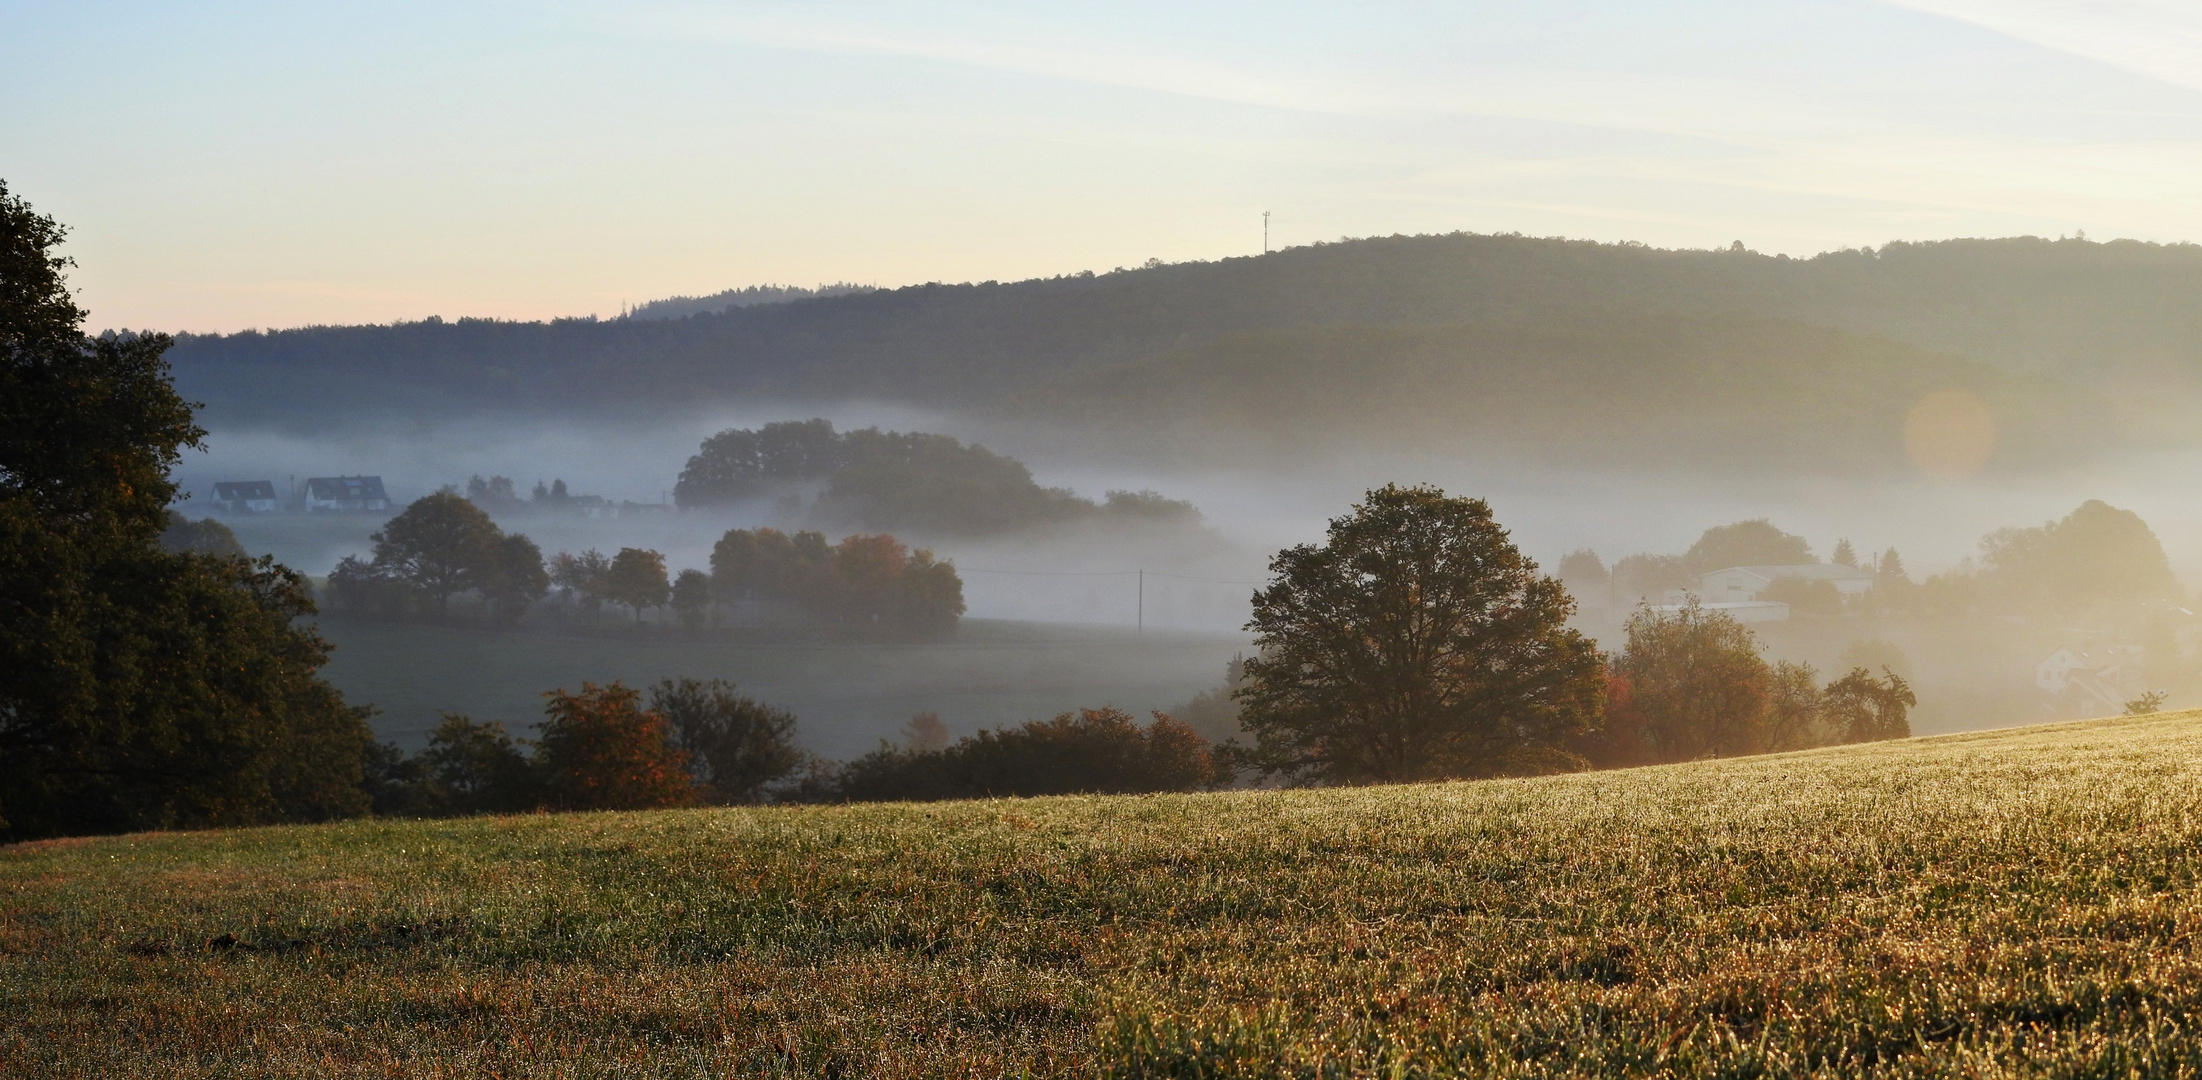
[1950, 434]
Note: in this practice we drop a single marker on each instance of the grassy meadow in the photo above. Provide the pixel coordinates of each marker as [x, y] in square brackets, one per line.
[2013, 903]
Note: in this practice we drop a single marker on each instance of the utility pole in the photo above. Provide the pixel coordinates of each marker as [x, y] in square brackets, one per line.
[1265, 232]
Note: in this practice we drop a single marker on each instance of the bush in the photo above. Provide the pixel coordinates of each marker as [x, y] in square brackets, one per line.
[736, 747]
[1865, 709]
[1091, 751]
[601, 750]
[1695, 685]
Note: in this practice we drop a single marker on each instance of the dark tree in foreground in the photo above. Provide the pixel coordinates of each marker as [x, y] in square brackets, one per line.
[737, 747]
[139, 687]
[471, 768]
[1416, 643]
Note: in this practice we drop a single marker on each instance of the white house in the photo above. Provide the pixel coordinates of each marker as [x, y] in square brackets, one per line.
[2099, 678]
[341, 493]
[1739, 583]
[245, 496]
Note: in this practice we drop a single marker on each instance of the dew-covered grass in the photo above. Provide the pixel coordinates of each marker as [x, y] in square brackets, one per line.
[2005, 903]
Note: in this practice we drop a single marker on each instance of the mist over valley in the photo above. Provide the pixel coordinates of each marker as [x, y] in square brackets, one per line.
[1614, 398]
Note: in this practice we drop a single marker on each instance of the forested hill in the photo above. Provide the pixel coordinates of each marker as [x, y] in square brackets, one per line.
[2098, 315]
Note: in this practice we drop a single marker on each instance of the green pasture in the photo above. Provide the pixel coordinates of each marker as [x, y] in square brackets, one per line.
[2009, 903]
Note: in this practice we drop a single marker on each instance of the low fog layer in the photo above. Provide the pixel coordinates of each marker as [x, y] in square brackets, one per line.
[1002, 668]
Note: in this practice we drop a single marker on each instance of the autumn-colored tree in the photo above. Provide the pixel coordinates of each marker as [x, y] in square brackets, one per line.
[601, 750]
[1862, 708]
[1697, 678]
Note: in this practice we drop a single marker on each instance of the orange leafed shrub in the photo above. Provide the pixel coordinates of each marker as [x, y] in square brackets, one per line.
[601, 750]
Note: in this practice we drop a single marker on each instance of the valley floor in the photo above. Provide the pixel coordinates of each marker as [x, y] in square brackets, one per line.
[2017, 902]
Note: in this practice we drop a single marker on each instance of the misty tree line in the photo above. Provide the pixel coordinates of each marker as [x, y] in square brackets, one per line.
[898, 480]
[1416, 644]
[2099, 561]
[696, 742]
[443, 546]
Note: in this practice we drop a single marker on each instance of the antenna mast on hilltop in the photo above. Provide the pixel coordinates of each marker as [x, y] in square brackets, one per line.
[1265, 232]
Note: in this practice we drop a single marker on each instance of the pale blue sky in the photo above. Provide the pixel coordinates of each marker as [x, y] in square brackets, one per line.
[230, 164]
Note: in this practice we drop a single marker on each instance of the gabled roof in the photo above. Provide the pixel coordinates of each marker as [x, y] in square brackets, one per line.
[244, 489]
[345, 487]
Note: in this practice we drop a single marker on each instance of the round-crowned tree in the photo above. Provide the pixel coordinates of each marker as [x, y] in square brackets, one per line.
[441, 544]
[1417, 643]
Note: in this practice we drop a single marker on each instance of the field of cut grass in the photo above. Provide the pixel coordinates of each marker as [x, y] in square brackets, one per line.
[2019, 903]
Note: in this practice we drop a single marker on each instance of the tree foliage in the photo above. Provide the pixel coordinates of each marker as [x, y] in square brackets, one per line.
[205, 536]
[441, 545]
[599, 749]
[1696, 679]
[1862, 708]
[1091, 751]
[435, 549]
[872, 583]
[1417, 642]
[899, 480]
[468, 767]
[139, 687]
[636, 578]
[737, 747]
[2096, 554]
[1746, 543]
[1690, 683]
[691, 597]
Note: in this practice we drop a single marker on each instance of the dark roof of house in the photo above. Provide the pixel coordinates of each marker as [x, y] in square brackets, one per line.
[345, 487]
[244, 489]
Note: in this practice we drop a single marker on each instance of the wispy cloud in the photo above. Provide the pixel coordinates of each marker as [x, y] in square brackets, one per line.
[2158, 38]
